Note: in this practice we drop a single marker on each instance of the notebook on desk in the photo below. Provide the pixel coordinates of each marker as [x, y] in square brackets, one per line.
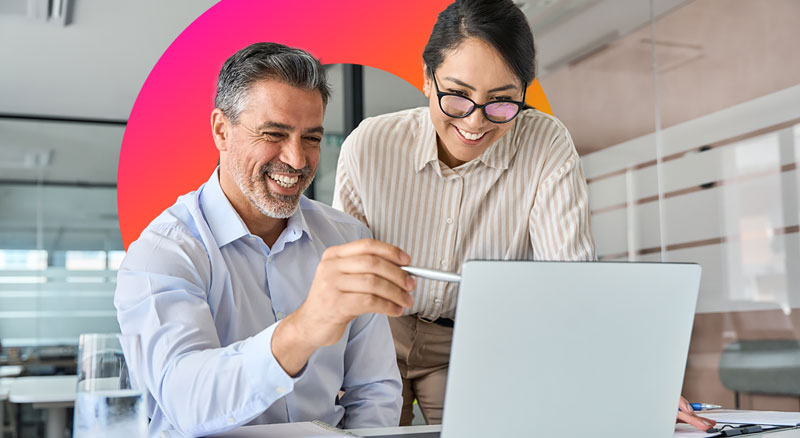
[562, 349]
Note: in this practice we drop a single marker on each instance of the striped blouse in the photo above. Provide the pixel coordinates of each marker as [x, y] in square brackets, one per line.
[524, 198]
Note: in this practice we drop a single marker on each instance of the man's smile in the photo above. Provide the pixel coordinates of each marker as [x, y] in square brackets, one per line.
[284, 181]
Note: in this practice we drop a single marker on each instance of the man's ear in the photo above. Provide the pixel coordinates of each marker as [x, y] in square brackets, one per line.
[220, 129]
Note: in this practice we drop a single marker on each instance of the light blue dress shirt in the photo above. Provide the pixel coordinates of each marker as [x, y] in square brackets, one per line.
[206, 295]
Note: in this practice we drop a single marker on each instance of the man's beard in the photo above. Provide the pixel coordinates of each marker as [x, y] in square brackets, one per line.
[256, 188]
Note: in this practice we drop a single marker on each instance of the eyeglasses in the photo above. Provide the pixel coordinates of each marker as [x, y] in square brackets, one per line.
[458, 106]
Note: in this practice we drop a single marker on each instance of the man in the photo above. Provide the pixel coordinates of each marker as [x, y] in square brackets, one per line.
[236, 326]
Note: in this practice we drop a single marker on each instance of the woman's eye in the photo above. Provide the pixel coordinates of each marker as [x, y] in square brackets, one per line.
[458, 92]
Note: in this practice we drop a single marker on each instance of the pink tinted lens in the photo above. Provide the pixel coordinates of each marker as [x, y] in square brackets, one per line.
[455, 106]
[501, 111]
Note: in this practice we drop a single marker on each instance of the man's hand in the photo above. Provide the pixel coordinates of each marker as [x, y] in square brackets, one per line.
[351, 279]
[686, 415]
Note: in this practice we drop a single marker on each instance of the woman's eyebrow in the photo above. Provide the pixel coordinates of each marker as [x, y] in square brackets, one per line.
[504, 88]
[493, 90]
[460, 83]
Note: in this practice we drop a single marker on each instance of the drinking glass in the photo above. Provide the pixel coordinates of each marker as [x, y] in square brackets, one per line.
[108, 404]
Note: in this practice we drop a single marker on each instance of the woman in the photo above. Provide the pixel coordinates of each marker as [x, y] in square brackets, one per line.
[470, 176]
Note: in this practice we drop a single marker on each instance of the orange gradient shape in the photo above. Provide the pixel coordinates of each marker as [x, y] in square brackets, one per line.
[167, 149]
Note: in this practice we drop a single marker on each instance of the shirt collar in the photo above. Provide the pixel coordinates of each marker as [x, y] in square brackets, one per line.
[297, 224]
[497, 156]
[225, 223]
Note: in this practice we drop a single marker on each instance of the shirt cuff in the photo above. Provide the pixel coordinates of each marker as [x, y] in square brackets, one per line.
[261, 367]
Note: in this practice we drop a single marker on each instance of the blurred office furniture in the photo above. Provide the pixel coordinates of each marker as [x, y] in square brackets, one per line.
[7, 409]
[53, 393]
[770, 366]
[11, 371]
[38, 360]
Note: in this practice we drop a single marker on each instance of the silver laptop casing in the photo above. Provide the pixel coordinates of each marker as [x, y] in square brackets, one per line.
[569, 349]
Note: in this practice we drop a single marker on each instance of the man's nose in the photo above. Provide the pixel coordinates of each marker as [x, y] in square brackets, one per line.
[293, 153]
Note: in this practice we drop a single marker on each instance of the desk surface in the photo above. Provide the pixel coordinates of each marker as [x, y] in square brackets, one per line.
[790, 433]
[43, 389]
[264, 431]
[5, 385]
[11, 370]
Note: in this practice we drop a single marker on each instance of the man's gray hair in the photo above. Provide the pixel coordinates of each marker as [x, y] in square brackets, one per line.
[263, 61]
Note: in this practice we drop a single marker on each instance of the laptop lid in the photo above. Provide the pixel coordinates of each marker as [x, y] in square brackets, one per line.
[569, 349]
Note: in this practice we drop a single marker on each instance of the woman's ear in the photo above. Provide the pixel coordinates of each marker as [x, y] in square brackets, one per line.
[426, 82]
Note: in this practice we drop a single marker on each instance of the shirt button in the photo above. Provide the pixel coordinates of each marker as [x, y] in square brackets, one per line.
[444, 263]
[280, 390]
[231, 420]
[279, 315]
[438, 301]
[269, 259]
[449, 221]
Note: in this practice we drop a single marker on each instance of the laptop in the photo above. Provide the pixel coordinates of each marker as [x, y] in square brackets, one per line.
[568, 349]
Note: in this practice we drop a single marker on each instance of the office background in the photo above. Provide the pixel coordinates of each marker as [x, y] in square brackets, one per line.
[686, 114]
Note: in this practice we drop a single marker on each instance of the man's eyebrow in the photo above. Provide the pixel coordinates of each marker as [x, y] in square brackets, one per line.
[314, 130]
[493, 90]
[275, 125]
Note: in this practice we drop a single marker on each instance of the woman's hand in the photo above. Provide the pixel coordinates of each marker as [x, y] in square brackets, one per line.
[686, 415]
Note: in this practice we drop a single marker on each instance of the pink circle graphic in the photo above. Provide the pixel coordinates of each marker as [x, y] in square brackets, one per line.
[167, 149]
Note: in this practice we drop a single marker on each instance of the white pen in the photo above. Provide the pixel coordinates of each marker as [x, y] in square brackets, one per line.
[432, 274]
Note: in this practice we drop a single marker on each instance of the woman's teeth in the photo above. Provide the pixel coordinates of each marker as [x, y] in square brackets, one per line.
[469, 135]
[284, 181]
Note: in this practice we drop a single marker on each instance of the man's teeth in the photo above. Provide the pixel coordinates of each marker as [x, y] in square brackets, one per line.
[469, 135]
[284, 181]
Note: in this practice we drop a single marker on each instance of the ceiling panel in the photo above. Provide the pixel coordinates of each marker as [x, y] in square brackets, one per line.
[92, 67]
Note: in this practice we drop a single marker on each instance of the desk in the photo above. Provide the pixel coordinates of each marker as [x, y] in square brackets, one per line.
[414, 431]
[301, 430]
[780, 433]
[263, 431]
[5, 384]
[54, 393]
[11, 370]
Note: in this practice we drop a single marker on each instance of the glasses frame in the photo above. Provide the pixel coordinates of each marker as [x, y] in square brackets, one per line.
[441, 94]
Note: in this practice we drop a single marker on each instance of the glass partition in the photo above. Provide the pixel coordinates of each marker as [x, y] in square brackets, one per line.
[60, 243]
[383, 93]
[686, 116]
[730, 109]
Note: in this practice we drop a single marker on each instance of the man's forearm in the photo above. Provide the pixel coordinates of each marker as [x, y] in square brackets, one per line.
[252, 380]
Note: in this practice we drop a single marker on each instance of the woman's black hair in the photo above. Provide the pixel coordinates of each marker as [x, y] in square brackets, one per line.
[499, 23]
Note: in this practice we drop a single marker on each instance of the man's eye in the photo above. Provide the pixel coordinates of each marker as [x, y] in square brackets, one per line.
[272, 136]
[314, 139]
